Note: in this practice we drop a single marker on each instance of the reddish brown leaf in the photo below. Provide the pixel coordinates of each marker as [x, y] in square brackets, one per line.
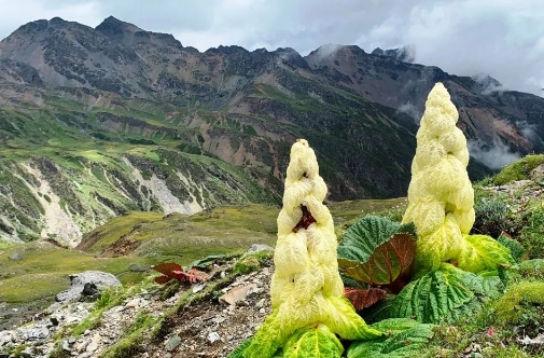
[306, 220]
[197, 276]
[364, 298]
[389, 262]
[175, 271]
[163, 279]
[167, 268]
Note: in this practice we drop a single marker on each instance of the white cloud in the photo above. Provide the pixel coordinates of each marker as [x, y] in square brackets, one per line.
[16, 13]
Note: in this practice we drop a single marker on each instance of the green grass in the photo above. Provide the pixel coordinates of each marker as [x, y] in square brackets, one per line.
[117, 228]
[532, 235]
[509, 308]
[43, 271]
[221, 230]
[345, 213]
[518, 170]
[217, 231]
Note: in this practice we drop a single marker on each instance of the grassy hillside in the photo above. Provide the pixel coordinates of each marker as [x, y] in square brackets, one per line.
[82, 166]
[146, 238]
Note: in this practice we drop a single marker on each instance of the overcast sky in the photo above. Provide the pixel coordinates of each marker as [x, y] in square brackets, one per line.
[502, 38]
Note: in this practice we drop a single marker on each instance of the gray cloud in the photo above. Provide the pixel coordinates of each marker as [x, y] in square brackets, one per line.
[494, 156]
[502, 38]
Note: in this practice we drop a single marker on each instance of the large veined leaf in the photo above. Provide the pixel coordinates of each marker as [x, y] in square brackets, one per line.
[442, 295]
[377, 251]
[406, 338]
[319, 342]
[483, 253]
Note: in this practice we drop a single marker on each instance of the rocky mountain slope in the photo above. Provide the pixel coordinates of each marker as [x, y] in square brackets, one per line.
[138, 121]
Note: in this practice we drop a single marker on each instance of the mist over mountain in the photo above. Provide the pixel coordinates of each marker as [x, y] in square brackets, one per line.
[95, 122]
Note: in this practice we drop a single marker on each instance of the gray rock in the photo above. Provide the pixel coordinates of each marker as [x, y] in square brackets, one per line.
[33, 333]
[91, 279]
[66, 345]
[93, 345]
[173, 342]
[538, 172]
[6, 337]
[213, 337]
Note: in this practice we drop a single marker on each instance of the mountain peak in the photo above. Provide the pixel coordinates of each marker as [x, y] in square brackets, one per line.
[113, 26]
[405, 54]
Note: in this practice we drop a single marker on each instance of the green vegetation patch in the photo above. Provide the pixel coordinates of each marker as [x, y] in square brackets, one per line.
[519, 170]
[43, 271]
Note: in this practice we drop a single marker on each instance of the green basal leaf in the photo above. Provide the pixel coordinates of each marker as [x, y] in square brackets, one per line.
[442, 295]
[377, 250]
[319, 342]
[405, 338]
[483, 253]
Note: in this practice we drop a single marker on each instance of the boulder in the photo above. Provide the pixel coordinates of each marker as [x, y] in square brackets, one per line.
[538, 172]
[86, 284]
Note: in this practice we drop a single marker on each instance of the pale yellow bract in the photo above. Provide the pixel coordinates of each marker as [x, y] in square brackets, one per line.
[440, 195]
[307, 290]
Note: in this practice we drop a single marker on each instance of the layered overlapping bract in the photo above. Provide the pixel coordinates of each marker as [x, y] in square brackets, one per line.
[306, 290]
[440, 195]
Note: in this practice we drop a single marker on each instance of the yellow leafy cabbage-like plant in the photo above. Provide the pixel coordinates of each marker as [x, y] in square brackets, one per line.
[441, 198]
[307, 291]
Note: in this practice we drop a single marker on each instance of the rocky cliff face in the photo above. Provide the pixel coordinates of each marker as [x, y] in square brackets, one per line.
[138, 121]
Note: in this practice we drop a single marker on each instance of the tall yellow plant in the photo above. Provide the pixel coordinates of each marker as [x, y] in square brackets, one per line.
[440, 195]
[307, 291]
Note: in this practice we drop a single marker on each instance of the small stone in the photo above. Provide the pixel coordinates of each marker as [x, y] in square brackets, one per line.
[65, 345]
[6, 337]
[538, 340]
[262, 311]
[173, 342]
[93, 345]
[237, 294]
[213, 337]
[198, 288]
[35, 333]
[134, 303]
[260, 303]
[218, 320]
